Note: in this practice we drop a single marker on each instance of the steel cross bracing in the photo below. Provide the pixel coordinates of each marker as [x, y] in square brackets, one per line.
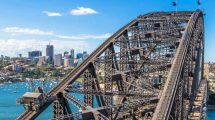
[149, 69]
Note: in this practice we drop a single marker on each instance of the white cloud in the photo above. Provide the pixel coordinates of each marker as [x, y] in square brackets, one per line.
[52, 14]
[16, 46]
[31, 31]
[19, 30]
[61, 42]
[84, 37]
[83, 11]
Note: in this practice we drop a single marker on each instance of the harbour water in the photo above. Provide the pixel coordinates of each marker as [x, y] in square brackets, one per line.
[210, 115]
[9, 92]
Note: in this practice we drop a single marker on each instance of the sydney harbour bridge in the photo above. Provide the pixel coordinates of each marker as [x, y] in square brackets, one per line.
[152, 68]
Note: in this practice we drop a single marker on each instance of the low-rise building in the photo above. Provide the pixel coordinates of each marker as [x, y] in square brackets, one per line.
[68, 62]
[16, 67]
[42, 61]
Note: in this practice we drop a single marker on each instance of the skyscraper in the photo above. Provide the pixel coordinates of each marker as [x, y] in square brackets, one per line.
[58, 60]
[72, 53]
[34, 54]
[79, 56]
[2, 57]
[85, 55]
[20, 55]
[50, 52]
[65, 53]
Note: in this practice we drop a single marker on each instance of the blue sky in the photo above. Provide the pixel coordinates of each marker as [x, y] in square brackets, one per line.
[27, 25]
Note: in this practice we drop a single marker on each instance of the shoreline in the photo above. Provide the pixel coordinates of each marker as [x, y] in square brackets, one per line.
[24, 80]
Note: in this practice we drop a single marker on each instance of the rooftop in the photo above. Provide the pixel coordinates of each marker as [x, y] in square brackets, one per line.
[32, 95]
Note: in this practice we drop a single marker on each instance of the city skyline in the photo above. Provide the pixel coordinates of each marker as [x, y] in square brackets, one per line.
[43, 53]
[79, 24]
[36, 53]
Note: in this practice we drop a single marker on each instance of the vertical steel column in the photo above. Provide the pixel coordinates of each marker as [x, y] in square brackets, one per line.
[123, 53]
[123, 60]
[134, 45]
[95, 84]
[108, 86]
[88, 80]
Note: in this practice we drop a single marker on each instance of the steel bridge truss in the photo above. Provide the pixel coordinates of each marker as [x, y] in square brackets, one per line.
[149, 69]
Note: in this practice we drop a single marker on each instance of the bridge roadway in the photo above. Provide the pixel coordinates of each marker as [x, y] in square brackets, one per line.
[164, 106]
[71, 77]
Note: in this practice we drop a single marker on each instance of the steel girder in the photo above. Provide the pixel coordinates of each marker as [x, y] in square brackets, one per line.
[149, 69]
[175, 103]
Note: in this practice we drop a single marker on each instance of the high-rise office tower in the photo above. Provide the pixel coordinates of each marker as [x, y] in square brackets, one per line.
[72, 53]
[20, 55]
[2, 57]
[85, 55]
[34, 54]
[58, 60]
[65, 53]
[50, 52]
[79, 55]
